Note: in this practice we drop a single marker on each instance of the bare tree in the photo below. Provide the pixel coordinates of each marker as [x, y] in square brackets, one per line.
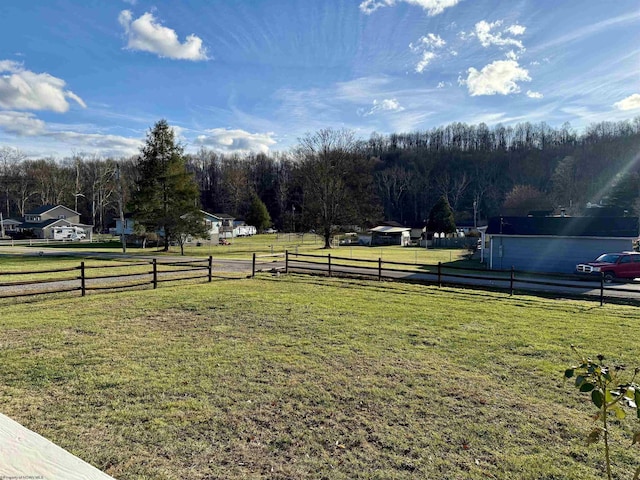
[393, 183]
[334, 190]
[10, 162]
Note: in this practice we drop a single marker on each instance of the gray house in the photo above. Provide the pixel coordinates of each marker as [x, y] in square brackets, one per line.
[43, 221]
[556, 244]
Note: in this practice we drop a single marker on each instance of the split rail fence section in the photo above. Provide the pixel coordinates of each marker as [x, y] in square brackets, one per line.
[440, 274]
[85, 277]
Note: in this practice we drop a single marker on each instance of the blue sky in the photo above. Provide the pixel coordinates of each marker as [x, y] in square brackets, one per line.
[91, 76]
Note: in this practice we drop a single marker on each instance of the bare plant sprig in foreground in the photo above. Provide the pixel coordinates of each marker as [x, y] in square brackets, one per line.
[610, 394]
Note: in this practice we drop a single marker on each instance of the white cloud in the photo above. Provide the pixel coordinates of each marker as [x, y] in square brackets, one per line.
[22, 124]
[516, 29]
[433, 7]
[484, 31]
[425, 46]
[22, 89]
[441, 85]
[107, 144]
[386, 105]
[179, 132]
[499, 77]
[236, 140]
[427, 58]
[511, 55]
[632, 102]
[532, 94]
[430, 40]
[148, 35]
[26, 124]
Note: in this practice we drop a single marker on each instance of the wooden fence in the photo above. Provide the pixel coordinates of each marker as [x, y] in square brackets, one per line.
[440, 274]
[85, 277]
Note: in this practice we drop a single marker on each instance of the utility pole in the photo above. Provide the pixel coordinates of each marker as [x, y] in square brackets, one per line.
[475, 214]
[123, 238]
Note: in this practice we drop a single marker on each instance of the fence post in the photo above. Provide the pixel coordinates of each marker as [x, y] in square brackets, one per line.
[155, 274]
[210, 267]
[286, 260]
[329, 262]
[511, 281]
[379, 269]
[601, 288]
[83, 286]
[253, 265]
[439, 274]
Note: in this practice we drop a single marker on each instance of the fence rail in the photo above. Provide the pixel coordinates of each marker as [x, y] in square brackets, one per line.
[104, 277]
[440, 274]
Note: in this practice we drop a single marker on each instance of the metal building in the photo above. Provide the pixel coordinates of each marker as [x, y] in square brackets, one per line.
[556, 244]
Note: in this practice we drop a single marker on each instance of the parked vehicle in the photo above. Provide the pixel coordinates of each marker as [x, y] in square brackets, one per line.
[69, 233]
[624, 265]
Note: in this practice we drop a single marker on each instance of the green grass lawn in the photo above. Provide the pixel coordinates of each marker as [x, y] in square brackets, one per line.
[22, 269]
[266, 244]
[299, 377]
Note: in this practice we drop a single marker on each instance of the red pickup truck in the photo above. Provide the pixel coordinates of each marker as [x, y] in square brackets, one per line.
[624, 265]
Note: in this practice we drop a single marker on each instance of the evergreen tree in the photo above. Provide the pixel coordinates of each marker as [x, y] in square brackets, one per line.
[165, 193]
[624, 194]
[258, 215]
[441, 217]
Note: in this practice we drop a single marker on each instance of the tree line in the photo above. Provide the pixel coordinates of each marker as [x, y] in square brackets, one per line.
[333, 178]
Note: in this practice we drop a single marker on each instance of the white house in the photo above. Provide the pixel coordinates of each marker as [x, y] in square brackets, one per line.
[217, 224]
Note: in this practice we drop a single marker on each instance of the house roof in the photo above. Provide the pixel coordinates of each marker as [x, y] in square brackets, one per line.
[388, 229]
[46, 223]
[46, 208]
[606, 227]
[217, 216]
[391, 223]
[10, 221]
[223, 216]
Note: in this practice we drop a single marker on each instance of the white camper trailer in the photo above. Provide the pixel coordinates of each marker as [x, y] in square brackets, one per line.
[69, 233]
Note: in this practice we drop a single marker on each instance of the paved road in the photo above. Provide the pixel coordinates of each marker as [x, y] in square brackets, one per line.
[550, 284]
[221, 267]
[546, 284]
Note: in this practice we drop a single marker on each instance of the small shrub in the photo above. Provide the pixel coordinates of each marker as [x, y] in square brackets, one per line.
[610, 394]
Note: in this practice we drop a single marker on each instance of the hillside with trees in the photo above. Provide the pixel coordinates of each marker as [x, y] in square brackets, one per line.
[331, 177]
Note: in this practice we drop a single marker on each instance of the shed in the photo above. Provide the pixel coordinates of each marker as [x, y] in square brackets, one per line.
[556, 244]
[386, 235]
